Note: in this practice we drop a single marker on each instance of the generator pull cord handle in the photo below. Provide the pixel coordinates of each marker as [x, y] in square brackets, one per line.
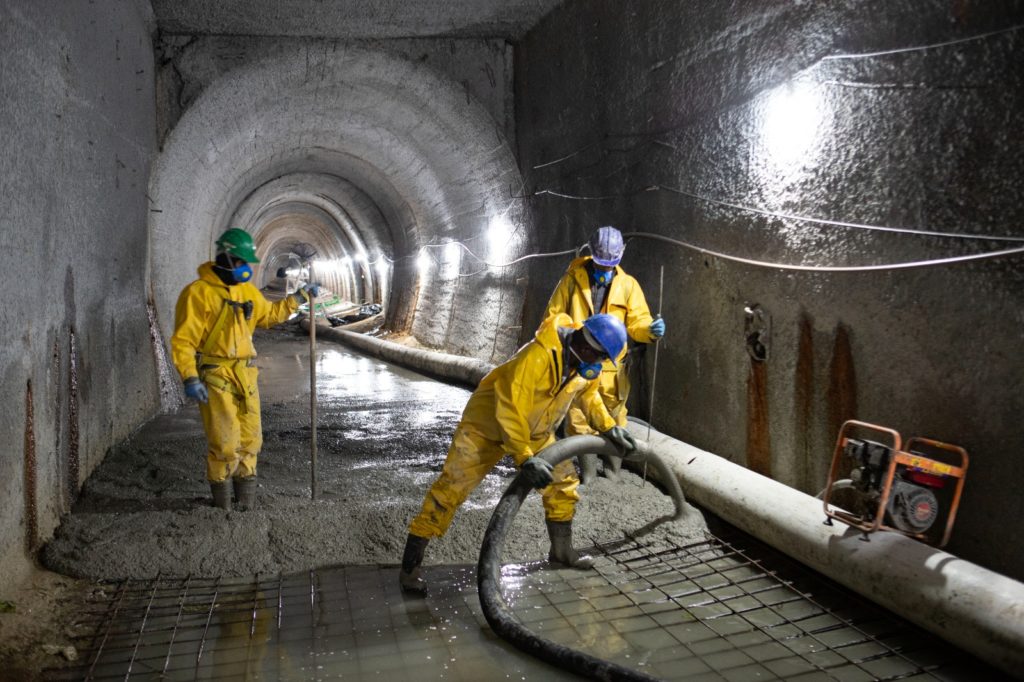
[654, 370]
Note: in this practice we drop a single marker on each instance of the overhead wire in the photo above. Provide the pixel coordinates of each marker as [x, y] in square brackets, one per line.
[750, 209]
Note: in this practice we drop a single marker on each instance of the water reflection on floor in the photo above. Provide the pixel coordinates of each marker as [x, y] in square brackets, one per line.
[339, 623]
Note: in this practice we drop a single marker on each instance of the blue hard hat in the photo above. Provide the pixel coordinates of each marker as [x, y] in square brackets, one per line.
[608, 332]
[606, 246]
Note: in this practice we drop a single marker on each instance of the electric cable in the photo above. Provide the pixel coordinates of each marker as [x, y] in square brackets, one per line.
[829, 268]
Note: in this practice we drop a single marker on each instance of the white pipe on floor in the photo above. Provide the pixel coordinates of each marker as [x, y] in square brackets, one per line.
[969, 606]
[458, 368]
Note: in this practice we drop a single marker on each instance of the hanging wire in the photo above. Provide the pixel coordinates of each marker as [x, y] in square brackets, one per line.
[802, 74]
[919, 48]
[784, 216]
[829, 268]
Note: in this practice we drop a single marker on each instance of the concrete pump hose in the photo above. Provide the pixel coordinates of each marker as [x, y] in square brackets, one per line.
[499, 616]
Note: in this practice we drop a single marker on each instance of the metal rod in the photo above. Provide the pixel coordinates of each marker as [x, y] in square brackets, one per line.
[142, 626]
[177, 622]
[312, 387]
[654, 370]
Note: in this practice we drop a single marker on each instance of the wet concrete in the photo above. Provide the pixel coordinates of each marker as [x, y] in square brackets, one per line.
[382, 435]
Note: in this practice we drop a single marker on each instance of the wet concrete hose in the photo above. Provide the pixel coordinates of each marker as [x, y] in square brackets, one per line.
[496, 610]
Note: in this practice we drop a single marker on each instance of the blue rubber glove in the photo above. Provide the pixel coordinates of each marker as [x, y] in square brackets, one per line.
[658, 328]
[195, 390]
[537, 472]
[621, 438]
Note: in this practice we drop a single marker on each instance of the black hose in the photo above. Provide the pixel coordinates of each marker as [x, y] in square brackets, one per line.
[488, 571]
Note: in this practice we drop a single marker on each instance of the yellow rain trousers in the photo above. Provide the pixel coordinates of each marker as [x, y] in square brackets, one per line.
[213, 341]
[625, 300]
[514, 410]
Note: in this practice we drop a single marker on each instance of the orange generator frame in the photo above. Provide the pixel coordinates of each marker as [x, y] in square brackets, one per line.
[903, 489]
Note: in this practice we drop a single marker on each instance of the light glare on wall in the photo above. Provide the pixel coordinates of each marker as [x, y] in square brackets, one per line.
[423, 262]
[792, 117]
[452, 259]
[499, 234]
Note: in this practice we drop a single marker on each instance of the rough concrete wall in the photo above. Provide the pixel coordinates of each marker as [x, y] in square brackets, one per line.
[435, 164]
[650, 113]
[188, 64]
[77, 119]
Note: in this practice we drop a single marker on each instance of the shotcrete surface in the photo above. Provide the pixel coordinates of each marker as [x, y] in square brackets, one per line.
[382, 436]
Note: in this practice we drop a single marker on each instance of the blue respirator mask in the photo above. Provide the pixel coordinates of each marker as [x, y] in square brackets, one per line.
[587, 370]
[242, 273]
[602, 276]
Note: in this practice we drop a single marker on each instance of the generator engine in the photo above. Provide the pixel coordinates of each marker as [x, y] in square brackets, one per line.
[905, 490]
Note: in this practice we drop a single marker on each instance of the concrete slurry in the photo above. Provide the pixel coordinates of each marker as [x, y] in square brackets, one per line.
[382, 435]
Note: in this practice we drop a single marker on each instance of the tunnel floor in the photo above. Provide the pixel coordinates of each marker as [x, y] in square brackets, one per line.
[305, 589]
[724, 608]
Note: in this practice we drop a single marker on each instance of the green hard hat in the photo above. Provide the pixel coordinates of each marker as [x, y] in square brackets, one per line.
[238, 243]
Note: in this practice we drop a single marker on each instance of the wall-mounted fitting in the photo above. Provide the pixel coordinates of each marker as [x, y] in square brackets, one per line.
[757, 329]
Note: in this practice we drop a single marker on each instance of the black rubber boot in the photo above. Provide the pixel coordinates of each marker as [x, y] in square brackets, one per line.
[562, 551]
[245, 493]
[588, 468]
[409, 576]
[221, 491]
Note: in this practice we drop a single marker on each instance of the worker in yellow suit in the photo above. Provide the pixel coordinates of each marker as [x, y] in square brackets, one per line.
[514, 411]
[213, 351]
[598, 284]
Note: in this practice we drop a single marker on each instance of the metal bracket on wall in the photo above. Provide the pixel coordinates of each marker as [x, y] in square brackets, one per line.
[757, 329]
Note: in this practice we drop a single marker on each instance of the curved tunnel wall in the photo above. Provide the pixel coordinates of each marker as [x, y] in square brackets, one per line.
[673, 117]
[400, 155]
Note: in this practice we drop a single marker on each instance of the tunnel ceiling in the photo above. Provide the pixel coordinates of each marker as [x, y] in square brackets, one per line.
[352, 19]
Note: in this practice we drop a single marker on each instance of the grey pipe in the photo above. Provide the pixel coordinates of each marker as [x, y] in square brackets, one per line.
[466, 371]
[488, 574]
[967, 605]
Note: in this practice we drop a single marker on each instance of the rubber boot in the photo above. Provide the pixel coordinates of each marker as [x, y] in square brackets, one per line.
[612, 466]
[588, 468]
[245, 493]
[221, 491]
[562, 551]
[409, 576]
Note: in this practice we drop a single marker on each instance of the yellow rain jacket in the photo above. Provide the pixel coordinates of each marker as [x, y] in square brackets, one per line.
[213, 341]
[514, 410]
[625, 300]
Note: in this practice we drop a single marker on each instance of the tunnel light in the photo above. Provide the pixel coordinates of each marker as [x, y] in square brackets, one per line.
[792, 117]
[499, 234]
[346, 261]
[452, 259]
[382, 267]
[423, 262]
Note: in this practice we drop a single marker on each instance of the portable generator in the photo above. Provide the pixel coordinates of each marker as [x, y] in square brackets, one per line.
[913, 489]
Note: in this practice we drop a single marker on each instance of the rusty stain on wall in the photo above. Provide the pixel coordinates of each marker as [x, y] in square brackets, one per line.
[759, 455]
[803, 400]
[31, 504]
[73, 432]
[841, 397]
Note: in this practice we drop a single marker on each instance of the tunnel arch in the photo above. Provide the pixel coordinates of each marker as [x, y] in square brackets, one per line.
[352, 225]
[397, 155]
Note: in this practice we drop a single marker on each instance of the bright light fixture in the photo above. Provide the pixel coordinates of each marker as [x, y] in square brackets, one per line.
[792, 117]
[499, 234]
